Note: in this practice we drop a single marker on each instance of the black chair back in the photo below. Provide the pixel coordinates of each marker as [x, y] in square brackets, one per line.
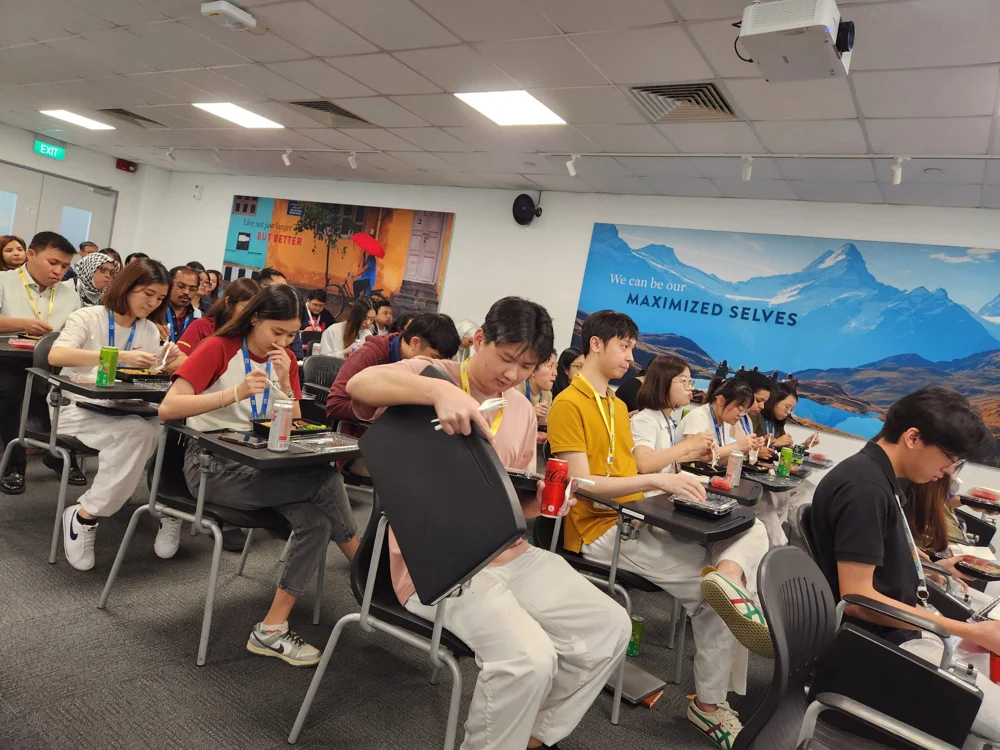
[321, 369]
[383, 591]
[804, 520]
[40, 354]
[172, 483]
[546, 450]
[801, 614]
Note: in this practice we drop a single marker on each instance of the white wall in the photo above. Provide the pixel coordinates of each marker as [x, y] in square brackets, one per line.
[138, 193]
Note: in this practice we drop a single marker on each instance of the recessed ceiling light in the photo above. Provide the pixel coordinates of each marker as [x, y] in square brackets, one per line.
[240, 116]
[512, 108]
[84, 122]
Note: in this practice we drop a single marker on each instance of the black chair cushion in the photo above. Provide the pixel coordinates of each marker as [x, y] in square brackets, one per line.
[63, 441]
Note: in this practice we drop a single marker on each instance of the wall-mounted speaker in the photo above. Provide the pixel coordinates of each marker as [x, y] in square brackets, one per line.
[525, 209]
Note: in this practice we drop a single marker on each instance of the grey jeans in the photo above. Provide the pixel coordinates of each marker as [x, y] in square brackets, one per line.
[313, 500]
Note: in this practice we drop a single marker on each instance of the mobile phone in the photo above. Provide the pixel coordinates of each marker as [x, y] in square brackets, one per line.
[982, 569]
[246, 439]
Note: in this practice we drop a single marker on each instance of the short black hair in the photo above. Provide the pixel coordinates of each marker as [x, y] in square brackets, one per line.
[606, 325]
[267, 273]
[945, 419]
[400, 323]
[379, 302]
[757, 381]
[195, 265]
[45, 240]
[317, 294]
[180, 269]
[436, 331]
[88, 243]
[133, 256]
[515, 320]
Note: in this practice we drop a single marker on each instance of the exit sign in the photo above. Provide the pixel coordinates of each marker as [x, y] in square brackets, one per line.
[51, 151]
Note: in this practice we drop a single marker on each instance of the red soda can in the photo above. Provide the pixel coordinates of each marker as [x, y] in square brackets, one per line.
[556, 483]
[994, 667]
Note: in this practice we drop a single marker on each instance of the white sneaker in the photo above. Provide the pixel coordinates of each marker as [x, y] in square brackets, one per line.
[168, 538]
[285, 644]
[78, 540]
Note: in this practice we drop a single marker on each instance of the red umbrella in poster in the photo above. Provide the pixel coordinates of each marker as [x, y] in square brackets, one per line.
[369, 244]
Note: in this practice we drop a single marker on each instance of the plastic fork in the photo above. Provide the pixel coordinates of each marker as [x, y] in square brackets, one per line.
[490, 404]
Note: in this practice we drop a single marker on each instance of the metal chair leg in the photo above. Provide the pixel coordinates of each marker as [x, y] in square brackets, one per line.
[456, 699]
[246, 552]
[675, 610]
[435, 675]
[616, 703]
[331, 644]
[60, 505]
[320, 574]
[287, 547]
[679, 651]
[213, 578]
[122, 549]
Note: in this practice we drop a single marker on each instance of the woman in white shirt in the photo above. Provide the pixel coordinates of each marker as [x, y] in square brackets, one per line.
[236, 376]
[341, 339]
[135, 299]
[659, 446]
[726, 402]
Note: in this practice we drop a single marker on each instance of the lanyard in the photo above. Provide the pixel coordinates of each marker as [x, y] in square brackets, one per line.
[170, 322]
[527, 389]
[609, 423]
[769, 426]
[720, 431]
[468, 389]
[31, 297]
[670, 428]
[111, 331]
[267, 391]
[313, 321]
[746, 424]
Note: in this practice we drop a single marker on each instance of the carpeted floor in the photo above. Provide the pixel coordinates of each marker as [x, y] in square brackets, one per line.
[74, 677]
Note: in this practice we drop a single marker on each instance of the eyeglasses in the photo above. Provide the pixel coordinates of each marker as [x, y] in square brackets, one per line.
[956, 464]
[687, 384]
[105, 271]
[742, 411]
[181, 287]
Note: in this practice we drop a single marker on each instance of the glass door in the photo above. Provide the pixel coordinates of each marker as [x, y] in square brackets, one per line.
[78, 212]
[20, 193]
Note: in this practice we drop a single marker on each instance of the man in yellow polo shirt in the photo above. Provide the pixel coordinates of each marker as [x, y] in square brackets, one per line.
[589, 428]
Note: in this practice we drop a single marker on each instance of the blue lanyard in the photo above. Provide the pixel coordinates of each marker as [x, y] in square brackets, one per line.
[747, 425]
[719, 432]
[527, 389]
[267, 391]
[170, 323]
[769, 426]
[111, 332]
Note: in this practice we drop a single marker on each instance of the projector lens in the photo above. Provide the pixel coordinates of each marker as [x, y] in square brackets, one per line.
[845, 36]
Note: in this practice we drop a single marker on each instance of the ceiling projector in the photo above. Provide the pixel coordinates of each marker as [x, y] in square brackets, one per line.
[797, 40]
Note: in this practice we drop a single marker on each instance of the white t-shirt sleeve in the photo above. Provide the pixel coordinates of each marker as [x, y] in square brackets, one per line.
[331, 343]
[79, 327]
[645, 429]
[697, 420]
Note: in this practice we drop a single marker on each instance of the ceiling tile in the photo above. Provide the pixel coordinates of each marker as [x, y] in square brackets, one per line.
[603, 105]
[179, 116]
[725, 169]
[991, 196]
[925, 33]
[589, 166]
[844, 170]
[655, 55]
[409, 28]
[287, 115]
[522, 163]
[457, 69]
[171, 46]
[957, 171]
[442, 109]
[81, 48]
[381, 111]
[671, 167]
[560, 182]
[837, 192]
[946, 92]
[177, 8]
[715, 39]
[694, 187]
[424, 160]
[122, 12]
[217, 87]
[262, 48]
[174, 87]
[267, 82]
[332, 138]
[485, 20]
[539, 63]
[621, 185]
[755, 189]
[320, 78]
[698, 10]
[940, 135]
[309, 28]
[796, 100]
[383, 73]
[432, 139]
[712, 137]
[384, 161]
[490, 138]
[600, 15]
[641, 138]
[812, 137]
[381, 139]
[927, 194]
[509, 181]
[992, 172]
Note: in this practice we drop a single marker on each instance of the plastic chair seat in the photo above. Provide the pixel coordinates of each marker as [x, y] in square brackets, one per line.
[389, 610]
[68, 442]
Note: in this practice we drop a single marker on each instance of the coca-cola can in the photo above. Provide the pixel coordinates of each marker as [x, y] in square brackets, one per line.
[281, 426]
[734, 469]
[556, 484]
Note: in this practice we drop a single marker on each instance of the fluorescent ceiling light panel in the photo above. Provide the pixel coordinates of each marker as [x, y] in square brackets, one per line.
[240, 116]
[512, 108]
[84, 122]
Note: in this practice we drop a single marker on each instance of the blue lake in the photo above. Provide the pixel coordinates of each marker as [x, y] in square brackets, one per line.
[865, 425]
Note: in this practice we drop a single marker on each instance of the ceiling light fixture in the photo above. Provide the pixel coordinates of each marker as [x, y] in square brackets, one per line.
[747, 168]
[285, 157]
[352, 160]
[170, 155]
[511, 108]
[83, 122]
[897, 170]
[243, 117]
[571, 164]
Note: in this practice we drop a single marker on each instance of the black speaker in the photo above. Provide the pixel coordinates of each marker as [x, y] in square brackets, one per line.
[525, 210]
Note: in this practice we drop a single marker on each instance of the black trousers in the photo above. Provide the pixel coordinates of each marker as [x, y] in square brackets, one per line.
[12, 380]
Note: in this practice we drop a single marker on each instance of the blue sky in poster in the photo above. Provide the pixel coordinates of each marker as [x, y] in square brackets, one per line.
[970, 275]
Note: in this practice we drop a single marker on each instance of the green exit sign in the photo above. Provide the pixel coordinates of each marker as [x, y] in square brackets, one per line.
[51, 151]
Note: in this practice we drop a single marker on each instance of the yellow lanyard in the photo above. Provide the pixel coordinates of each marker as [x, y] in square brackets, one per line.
[31, 297]
[609, 422]
[468, 389]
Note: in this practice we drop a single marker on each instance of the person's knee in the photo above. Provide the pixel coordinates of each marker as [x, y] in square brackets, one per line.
[537, 664]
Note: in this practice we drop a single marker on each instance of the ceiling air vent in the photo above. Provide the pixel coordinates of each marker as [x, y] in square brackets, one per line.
[682, 102]
[330, 114]
[132, 118]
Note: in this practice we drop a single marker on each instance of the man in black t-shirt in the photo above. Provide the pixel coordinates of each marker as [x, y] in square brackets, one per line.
[858, 525]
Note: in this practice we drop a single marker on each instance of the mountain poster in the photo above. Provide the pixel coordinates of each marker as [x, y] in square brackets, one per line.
[859, 324]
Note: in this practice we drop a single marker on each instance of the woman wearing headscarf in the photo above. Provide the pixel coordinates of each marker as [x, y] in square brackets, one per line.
[93, 276]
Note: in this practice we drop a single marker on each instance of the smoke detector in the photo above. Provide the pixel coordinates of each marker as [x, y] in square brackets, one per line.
[228, 15]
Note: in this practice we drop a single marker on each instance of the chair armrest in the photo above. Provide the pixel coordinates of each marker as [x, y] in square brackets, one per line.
[916, 621]
[871, 717]
[319, 390]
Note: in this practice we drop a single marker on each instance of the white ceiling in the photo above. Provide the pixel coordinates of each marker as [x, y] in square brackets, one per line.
[925, 78]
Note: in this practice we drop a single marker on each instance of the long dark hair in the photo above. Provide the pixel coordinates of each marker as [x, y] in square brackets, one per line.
[223, 309]
[567, 358]
[781, 390]
[732, 391]
[926, 514]
[356, 319]
[277, 302]
[654, 393]
[6, 240]
[144, 272]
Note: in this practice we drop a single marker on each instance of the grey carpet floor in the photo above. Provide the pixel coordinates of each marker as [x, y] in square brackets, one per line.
[75, 677]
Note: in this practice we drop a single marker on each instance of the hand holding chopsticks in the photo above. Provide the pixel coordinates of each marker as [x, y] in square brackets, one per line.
[490, 404]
